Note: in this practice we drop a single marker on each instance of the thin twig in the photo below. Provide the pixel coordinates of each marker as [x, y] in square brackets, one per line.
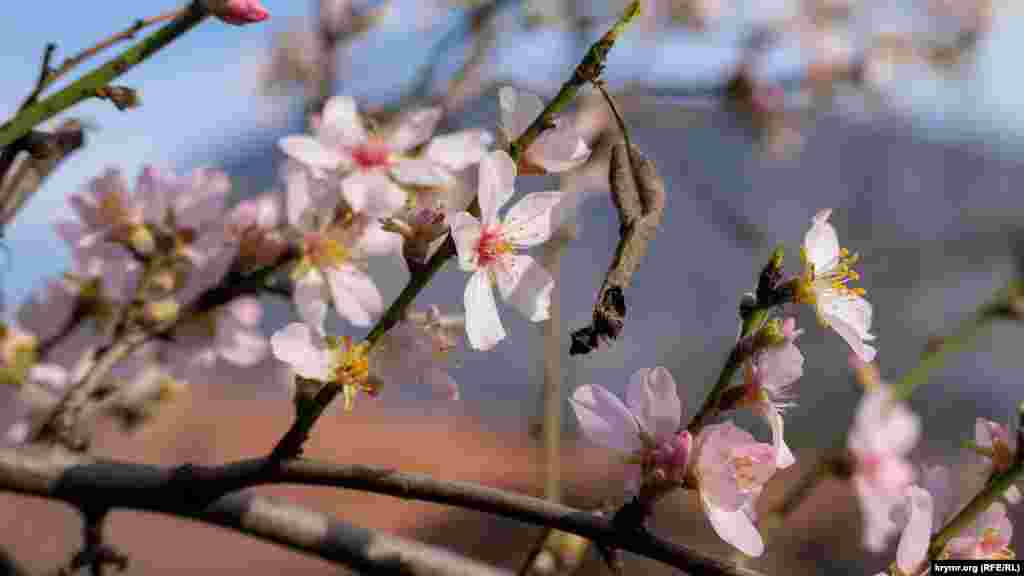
[127, 34]
[41, 81]
[86, 86]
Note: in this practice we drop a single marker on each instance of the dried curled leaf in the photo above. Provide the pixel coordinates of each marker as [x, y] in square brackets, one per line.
[639, 197]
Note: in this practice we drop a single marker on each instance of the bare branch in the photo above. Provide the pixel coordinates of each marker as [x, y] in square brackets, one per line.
[198, 492]
[78, 480]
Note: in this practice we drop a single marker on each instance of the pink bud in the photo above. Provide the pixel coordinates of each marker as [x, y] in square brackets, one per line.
[237, 12]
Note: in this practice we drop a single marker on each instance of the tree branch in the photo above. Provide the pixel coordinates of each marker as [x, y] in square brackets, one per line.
[198, 492]
[86, 86]
[80, 481]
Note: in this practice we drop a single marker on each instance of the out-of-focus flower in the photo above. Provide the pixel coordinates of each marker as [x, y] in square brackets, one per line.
[416, 351]
[988, 537]
[883, 432]
[556, 149]
[47, 311]
[994, 443]
[827, 271]
[252, 224]
[237, 12]
[486, 247]
[230, 332]
[374, 162]
[334, 361]
[731, 469]
[645, 428]
[768, 378]
[36, 399]
[912, 550]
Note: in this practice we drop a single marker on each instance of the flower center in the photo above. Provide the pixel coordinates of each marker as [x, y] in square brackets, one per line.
[351, 369]
[743, 473]
[869, 465]
[322, 251]
[371, 154]
[492, 246]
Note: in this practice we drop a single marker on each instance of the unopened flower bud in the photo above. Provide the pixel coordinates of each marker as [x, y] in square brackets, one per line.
[237, 12]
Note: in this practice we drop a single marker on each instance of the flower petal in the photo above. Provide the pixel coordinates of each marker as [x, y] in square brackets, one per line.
[652, 397]
[821, 243]
[483, 325]
[532, 219]
[496, 186]
[913, 547]
[734, 527]
[371, 192]
[519, 109]
[459, 150]
[525, 284]
[294, 346]
[783, 455]
[355, 296]
[559, 149]
[466, 231]
[310, 302]
[414, 128]
[422, 172]
[605, 420]
[310, 152]
[340, 124]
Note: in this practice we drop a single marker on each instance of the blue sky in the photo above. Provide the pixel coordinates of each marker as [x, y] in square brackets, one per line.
[198, 95]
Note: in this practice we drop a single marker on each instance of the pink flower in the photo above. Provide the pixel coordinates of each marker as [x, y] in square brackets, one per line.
[230, 332]
[827, 271]
[987, 538]
[731, 470]
[374, 162]
[993, 441]
[331, 259]
[883, 433]
[646, 427]
[768, 378]
[912, 551]
[237, 12]
[557, 149]
[487, 248]
[252, 225]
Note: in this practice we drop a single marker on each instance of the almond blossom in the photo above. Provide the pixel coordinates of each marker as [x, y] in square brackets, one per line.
[230, 332]
[768, 378]
[329, 361]
[646, 428]
[731, 469]
[993, 442]
[883, 432]
[331, 259]
[252, 225]
[556, 149]
[374, 162]
[827, 272]
[487, 248]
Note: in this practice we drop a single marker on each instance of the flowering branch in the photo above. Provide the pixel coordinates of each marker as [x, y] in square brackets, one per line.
[199, 492]
[753, 315]
[993, 491]
[86, 87]
[589, 69]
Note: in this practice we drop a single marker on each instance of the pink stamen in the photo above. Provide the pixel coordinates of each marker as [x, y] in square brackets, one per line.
[491, 246]
[371, 154]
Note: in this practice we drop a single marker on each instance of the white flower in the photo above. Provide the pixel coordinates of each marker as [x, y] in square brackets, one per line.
[331, 259]
[556, 149]
[373, 162]
[883, 433]
[645, 428]
[486, 247]
[827, 271]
